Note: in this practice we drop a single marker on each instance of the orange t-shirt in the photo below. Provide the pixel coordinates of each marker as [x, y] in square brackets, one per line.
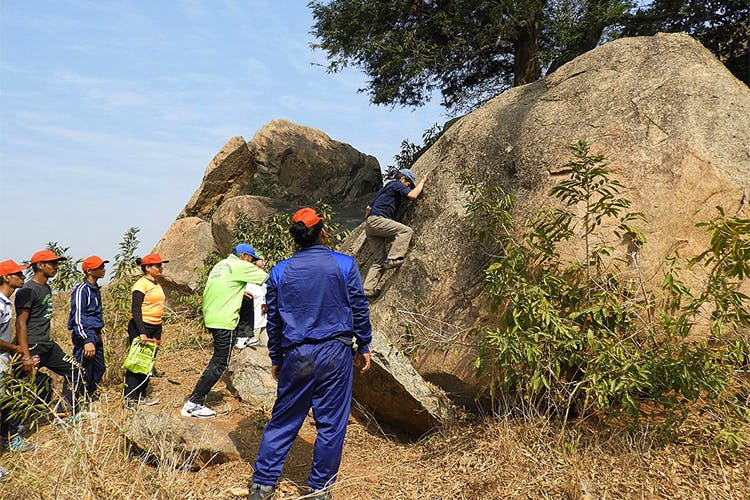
[152, 309]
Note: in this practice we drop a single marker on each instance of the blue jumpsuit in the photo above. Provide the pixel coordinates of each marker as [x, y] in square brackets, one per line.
[316, 305]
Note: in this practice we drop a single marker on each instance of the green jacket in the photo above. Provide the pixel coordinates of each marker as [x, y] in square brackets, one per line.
[222, 297]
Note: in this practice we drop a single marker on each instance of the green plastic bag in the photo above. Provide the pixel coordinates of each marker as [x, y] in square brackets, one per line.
[140, 358]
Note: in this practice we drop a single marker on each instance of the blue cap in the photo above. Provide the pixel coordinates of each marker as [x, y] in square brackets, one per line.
[409, 175]
[245, 248]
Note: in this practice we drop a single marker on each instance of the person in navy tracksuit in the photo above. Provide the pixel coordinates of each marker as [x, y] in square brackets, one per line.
[316, 308]
[86, 322]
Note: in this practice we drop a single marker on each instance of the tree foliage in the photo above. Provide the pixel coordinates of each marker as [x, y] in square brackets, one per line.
[471, 50]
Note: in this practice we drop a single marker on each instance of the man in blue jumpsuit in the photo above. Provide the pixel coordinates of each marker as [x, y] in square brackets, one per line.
[316, 308]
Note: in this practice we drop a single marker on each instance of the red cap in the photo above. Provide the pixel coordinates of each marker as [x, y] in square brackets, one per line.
[152, 258]
[307, 216]
[45, 256]
[9, 267]
[92, 262]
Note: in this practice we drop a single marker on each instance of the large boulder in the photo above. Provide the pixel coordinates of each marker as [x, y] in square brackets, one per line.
[304, 165]
[392, 392]
[249, 379]
[228, 174]
[182, 443]
[672, 122]
[396, 396]
[284, 167]
[185, 245]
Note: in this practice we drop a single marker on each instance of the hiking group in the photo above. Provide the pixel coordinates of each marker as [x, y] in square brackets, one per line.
[313, 308]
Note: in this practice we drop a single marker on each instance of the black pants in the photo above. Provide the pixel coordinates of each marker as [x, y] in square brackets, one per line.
[136, 384]
[223, 340]
[246, 325]
[53, 358]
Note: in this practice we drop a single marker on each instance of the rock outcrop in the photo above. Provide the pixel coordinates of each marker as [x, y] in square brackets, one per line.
[304, 165]
[392, 393]
[228, 174]
[182, 443]
[285, 166]
[185, 244]
[672, 122]
[257, 208]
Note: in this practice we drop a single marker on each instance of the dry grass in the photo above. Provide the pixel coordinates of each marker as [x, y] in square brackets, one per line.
[522, 458]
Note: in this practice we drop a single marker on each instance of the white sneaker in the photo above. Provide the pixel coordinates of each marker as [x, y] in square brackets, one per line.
[241, 343]
[251, 342]
[190, 409]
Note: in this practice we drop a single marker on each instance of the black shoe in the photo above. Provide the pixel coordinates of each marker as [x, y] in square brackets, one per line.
[393, 263]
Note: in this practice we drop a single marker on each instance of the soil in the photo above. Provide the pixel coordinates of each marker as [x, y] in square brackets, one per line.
[474, 458]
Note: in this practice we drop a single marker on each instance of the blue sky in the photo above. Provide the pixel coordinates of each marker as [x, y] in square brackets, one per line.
[110, 111]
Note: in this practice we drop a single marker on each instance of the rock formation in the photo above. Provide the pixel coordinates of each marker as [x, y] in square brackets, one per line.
[284, 166]
[182, 443]
[392, 393]
[672, 122]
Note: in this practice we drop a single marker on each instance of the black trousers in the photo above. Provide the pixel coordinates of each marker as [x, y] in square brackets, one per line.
[53, 358]
[246, 325]
[223, 340]
[136, 384]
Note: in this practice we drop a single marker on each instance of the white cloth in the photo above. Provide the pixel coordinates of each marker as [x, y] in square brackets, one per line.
[259, 299]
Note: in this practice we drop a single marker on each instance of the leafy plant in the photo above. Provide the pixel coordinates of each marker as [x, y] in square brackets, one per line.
[410, 152]
[117, 294]
[272, 239]
[573, 337]
[24, 399]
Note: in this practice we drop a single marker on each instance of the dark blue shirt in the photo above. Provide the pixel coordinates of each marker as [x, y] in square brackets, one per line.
[388, 199]
[86, 320]
[313, 296]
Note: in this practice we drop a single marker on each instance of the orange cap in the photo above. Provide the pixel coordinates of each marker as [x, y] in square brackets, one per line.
[45, 256]
[153, 258]
[92, 262]
[307, 216]
[9, 267]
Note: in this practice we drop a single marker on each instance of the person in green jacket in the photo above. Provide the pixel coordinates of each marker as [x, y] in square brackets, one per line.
[222, 299]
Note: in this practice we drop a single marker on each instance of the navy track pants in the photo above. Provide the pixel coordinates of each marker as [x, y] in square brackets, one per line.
[92, 368]
[317, 376]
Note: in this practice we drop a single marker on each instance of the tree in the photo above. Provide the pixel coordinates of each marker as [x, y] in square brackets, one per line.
[471, 50]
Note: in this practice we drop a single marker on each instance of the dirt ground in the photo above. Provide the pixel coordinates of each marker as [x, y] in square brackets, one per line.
[474, 458]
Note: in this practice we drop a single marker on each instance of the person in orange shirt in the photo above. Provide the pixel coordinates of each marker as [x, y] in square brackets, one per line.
[145, 322]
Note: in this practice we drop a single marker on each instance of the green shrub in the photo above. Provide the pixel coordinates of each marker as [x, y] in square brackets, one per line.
[580, 336]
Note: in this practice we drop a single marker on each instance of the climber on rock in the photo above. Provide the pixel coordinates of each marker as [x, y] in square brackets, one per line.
[380, 226]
